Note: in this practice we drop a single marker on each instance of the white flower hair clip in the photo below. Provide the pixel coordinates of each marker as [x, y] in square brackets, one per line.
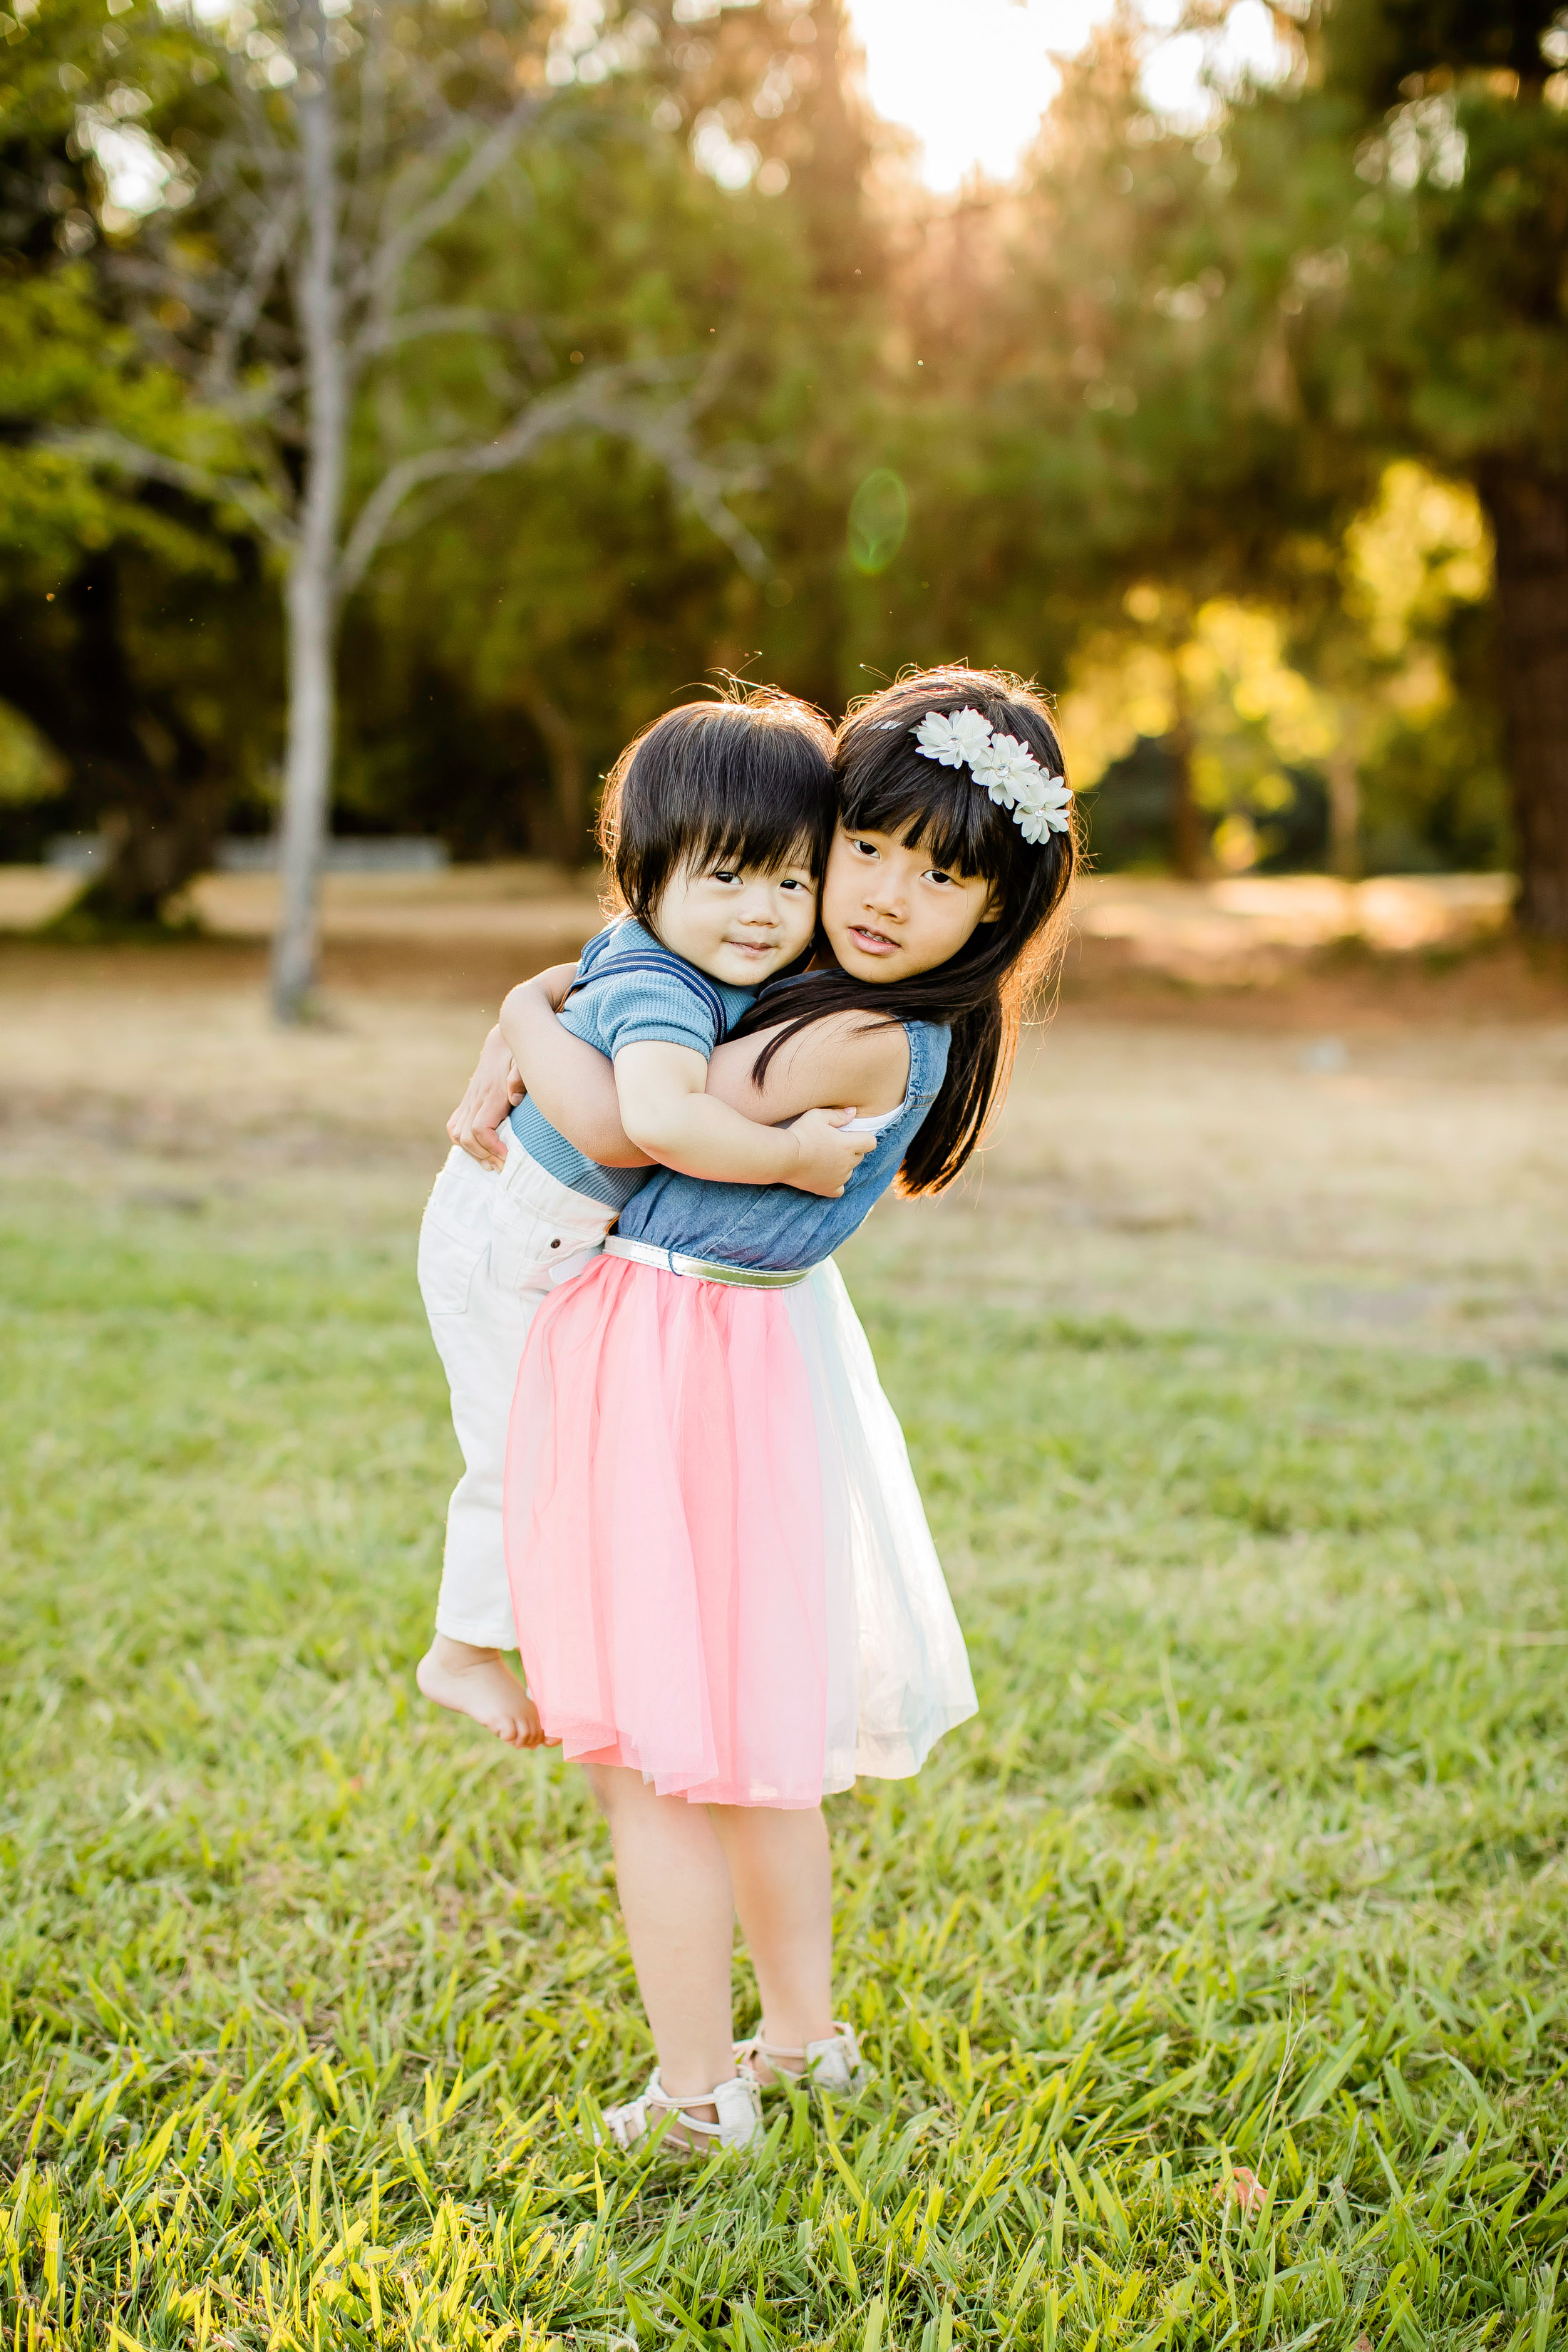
[1001, 765]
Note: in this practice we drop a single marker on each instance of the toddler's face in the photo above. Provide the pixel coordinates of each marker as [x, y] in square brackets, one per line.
[736, 923]
[890, 912]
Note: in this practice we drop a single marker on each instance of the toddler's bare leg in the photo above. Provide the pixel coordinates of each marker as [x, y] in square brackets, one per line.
[782, 1872]
[679, 1912]
[480, 1327]
[478, 1682]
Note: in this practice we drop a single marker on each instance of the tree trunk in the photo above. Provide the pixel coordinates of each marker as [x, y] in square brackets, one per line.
[568, 775]
[1344, 814]
[1187, 821]
[312, 599]
[1529, 516]
[150, 863]
[156, 792]
[307, 791]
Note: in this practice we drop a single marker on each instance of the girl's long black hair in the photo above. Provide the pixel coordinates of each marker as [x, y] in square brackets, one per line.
[886, 785]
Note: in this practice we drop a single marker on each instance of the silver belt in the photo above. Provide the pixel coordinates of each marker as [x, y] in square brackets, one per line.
[703, 1269]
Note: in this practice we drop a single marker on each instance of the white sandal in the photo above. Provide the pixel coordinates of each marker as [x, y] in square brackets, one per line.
[835, 2064]
[739, 2105]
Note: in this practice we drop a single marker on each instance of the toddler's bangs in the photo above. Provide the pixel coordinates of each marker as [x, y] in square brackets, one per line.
[745, 783]
[759, 812]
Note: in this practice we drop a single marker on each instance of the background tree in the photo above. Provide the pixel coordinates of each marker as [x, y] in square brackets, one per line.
[582, 596]
[1094, 405]
[1416, 171]
[333, 164]
[772, 102]
[101, 581]
[1170, 370]
[1135, 413]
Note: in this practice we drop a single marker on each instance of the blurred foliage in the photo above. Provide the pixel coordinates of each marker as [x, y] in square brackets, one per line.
[134, 667]
[31, 770]
[1218, 431]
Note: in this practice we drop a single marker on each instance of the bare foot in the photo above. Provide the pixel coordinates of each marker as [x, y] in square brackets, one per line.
[479, 1682]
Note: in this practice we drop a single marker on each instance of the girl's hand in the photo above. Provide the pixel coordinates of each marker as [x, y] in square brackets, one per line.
[828, 1157]
[492, 1094]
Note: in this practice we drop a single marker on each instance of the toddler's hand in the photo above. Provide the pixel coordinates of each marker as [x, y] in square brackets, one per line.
[828, 1157]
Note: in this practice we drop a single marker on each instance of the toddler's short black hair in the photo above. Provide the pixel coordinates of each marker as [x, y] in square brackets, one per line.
[748, 779]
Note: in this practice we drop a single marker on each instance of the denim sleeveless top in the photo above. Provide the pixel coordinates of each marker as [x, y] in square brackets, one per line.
[772, 1225]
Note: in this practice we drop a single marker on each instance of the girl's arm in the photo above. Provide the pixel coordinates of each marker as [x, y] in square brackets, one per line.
[844, 1057]
[651, 1107]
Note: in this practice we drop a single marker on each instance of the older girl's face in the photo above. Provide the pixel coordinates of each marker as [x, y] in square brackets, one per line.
[890, 912]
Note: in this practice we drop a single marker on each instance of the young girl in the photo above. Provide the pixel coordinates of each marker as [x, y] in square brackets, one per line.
[715, 822]
[727, 1597]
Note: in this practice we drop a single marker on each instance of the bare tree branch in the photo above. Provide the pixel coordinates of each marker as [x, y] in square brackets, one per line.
[598, 402]
[264, 403]
[579, 403]
[202, 294]
[381, 335]
[271, 245]
[370, 144]
[209, 296]
[665, 434]
[261, 150]
[152, 465]
[404, 241]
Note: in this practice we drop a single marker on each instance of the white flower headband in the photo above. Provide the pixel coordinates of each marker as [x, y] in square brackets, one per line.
[1001, 765]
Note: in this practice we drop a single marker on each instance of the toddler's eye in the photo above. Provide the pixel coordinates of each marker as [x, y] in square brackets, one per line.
[725, 876]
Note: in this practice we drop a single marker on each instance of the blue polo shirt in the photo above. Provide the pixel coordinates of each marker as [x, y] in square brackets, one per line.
[629, 989]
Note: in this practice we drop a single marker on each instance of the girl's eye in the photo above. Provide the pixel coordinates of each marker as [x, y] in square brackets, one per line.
[936, 875]
[866, 848]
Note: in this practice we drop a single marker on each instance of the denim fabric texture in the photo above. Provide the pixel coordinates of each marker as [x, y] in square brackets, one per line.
[773, 1225]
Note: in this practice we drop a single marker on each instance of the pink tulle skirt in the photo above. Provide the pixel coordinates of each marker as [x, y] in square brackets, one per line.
[720, 1569]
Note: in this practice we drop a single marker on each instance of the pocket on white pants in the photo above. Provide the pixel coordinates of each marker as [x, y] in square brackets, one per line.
[527, 1247]
[455, 1234]
[446, 1265]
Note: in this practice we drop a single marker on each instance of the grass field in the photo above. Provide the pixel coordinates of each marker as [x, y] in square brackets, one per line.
[1255, 1858]
[1238, 1400]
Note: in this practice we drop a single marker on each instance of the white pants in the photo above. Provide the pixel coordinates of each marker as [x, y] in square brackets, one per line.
[492, 1244]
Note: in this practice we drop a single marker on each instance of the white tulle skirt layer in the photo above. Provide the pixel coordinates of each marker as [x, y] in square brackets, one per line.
[720, 1568]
